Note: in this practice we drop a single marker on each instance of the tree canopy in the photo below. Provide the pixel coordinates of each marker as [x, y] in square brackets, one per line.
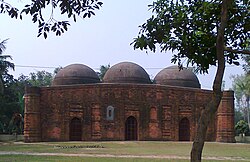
[190, 29]
[246, 65]
[201, 33]
[241, 87]
[5, 65]
[103, 69]
[36, 9]
[11, 100]
[10, 103]
[242, 127]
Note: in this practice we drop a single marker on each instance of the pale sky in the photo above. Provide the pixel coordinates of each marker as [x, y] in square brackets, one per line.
[101, 40]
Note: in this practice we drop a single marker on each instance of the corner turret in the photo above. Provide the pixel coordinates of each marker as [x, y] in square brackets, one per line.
[32, 119]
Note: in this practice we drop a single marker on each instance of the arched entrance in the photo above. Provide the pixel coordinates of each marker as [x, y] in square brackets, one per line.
[131, 129]
[75, 130]
[184, 130]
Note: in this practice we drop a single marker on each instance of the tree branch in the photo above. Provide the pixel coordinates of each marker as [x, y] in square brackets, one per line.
[247, 52]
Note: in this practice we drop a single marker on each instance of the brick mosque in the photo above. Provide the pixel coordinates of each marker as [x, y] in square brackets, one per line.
[126, 105]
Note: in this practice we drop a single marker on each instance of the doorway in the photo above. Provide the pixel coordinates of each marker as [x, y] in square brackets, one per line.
[184, 130]
[75, 132]
[131, 129]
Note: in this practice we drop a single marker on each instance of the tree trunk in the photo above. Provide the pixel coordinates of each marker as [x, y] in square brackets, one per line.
[208, 113]
[248, 117]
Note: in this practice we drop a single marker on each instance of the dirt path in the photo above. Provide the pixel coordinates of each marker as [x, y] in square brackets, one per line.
[122, 156]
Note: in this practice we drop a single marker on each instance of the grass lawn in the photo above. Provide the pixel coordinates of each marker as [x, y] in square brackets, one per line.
[140, 151]
[25, 158]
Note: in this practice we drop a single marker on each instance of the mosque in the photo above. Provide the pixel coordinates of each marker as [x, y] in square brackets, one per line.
[126, 105]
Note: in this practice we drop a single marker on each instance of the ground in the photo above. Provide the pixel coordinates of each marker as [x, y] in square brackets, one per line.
[124, 151]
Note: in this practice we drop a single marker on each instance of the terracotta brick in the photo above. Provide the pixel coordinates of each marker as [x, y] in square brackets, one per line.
[158, 110]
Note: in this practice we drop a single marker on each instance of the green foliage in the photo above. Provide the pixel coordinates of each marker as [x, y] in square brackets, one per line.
[202, 33]
[41, 78]
[8, 107]
[57, 70]
[72, 9]
[241, 87]
[190, 28]
[154, 149]
[103, 70]
[238, 115]
[12, 92]
[4, 65]
[7, 97]
[11, 101]
[242, 127]
[246, 65]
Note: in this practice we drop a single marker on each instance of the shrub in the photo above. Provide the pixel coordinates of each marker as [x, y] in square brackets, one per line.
[242, 127]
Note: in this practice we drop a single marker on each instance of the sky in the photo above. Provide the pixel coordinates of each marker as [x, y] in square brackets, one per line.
[101, 40]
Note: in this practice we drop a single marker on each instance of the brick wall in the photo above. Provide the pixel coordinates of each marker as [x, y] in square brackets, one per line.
[157, 109]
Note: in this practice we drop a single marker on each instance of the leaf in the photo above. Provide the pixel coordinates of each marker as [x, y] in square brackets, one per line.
[46, 28]
[100, 3]
[53, 28]
[45, 35]
[84, 8]
[96, 7]
[85, 15]
[63, 11]
[65, 26]
[40, 29]
[58, 33]
[39, 34]
[236, 63]
[91, 12]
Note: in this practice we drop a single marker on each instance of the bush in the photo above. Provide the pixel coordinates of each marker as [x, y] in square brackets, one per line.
[241, 127]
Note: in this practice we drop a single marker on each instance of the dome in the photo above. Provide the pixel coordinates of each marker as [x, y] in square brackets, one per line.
[174, 77]
[76, 74]
[126, 72]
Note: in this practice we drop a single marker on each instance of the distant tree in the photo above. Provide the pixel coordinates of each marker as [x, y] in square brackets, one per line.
[9, 103]
[246, 59]
[36, 9]
[103, 70]
[238, 115]
[204, 33]
[242, 127]
[57, 70]
[4, 64]
[41, 78]
[246, 65]
[241, 87]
